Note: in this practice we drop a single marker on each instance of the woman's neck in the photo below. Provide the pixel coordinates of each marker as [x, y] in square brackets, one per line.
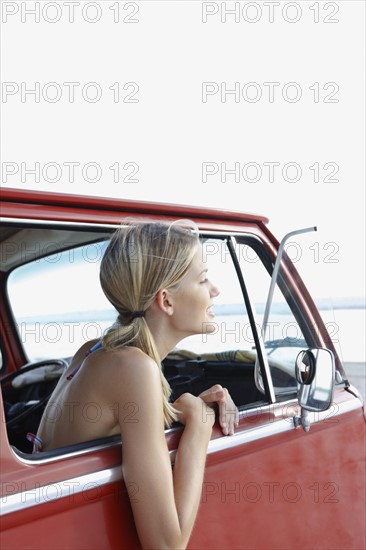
[165, 339]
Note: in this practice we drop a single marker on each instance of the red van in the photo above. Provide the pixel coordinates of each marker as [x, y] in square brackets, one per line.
[292, 475]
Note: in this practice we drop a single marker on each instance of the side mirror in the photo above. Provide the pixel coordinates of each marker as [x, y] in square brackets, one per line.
[315, 372]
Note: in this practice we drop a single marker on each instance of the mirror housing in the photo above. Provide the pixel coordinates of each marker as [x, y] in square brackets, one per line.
[315, 374]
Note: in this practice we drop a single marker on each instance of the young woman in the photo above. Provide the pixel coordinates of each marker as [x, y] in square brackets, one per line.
[154, 276]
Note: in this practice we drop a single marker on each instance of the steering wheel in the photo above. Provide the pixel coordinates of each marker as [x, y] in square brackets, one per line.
[24, 413]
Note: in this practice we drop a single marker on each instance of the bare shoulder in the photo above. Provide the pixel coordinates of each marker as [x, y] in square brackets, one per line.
[132, 367]
[135, 383]
[114, 372]
[129, 355]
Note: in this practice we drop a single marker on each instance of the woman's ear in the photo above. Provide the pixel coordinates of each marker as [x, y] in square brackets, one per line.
[164, 301]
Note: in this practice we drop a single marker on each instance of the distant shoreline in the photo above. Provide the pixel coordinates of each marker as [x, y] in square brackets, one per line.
[356, 303]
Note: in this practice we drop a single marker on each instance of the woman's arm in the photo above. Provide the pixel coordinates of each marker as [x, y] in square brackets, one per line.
[190, 461]
[165, 503]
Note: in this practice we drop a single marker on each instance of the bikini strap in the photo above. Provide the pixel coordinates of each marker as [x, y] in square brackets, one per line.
[96, 346]
[36, 440]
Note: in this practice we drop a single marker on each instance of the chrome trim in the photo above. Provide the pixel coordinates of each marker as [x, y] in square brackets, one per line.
[58, 222]
[249, 435]
[60, 489]
[71, 454]
[209, 232]
[275, 272]
[278, 426]
[45, 493]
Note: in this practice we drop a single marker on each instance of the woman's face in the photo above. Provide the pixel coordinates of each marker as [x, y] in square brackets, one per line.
[193, 300]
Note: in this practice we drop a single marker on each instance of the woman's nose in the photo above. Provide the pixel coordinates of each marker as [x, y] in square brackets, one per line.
[214, 291]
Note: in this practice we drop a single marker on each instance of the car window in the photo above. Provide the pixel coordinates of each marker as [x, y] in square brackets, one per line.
[58, 303]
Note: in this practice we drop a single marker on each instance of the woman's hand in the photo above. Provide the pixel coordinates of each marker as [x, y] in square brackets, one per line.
[228, 412]
[194, 409]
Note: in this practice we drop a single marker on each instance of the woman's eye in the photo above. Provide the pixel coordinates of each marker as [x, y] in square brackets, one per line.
[204, 281]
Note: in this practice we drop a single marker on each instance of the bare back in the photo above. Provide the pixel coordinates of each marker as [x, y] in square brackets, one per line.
[81, 407]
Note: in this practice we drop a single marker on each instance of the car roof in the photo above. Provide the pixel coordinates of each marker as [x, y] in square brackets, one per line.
[22, 196]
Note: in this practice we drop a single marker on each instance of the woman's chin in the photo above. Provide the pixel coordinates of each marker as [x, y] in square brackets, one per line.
[210, 327]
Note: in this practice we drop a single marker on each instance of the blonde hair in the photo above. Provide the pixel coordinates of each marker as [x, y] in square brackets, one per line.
[141, 259]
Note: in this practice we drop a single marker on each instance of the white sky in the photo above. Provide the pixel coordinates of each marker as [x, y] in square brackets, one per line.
[169, 132]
